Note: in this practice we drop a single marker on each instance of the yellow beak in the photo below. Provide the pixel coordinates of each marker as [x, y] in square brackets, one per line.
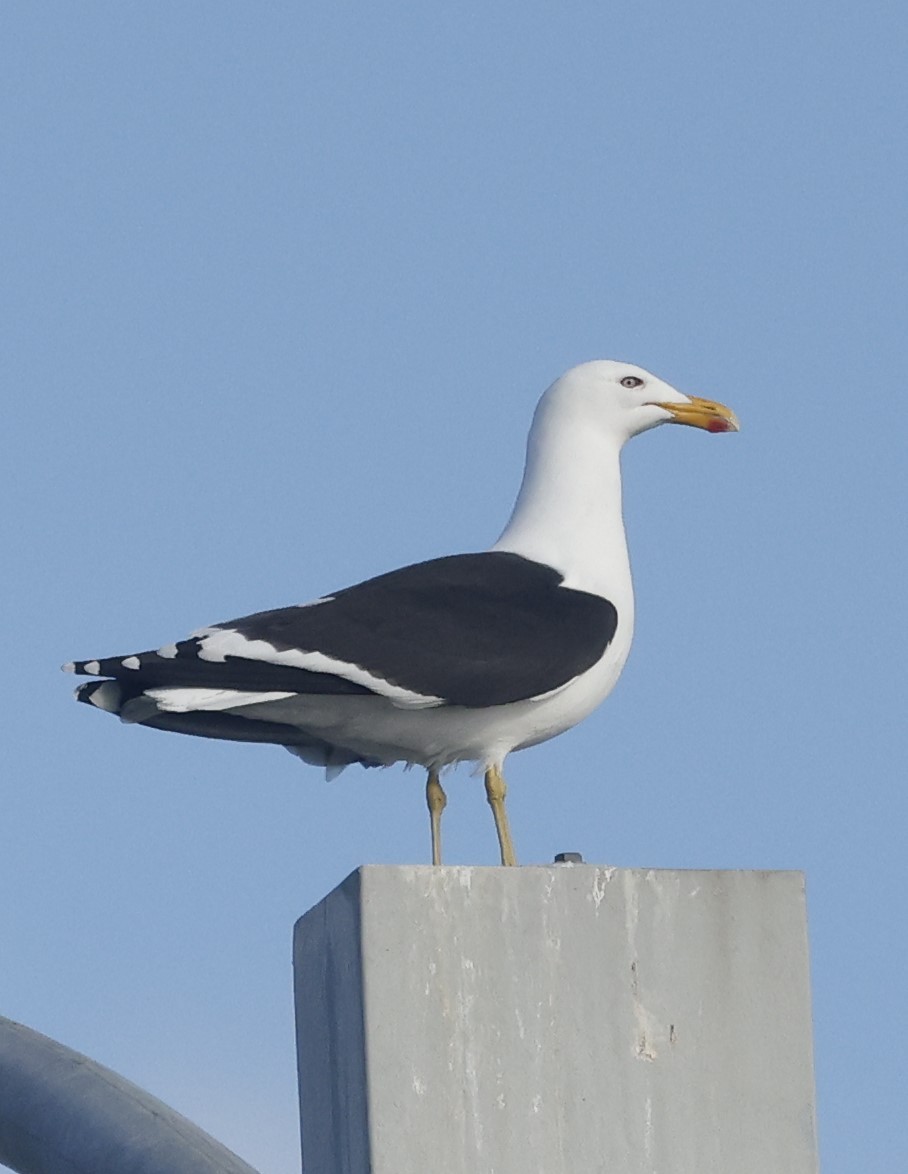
[703, 413]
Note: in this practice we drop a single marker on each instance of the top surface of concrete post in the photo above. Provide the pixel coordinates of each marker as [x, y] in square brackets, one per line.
[556, 1020]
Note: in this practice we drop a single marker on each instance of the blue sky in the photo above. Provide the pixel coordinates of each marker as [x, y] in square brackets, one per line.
[281, 285]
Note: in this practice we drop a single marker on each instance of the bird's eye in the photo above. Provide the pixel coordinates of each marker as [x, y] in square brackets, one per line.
[631, 381]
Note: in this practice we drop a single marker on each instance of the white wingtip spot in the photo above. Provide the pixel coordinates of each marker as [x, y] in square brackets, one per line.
[69, 667]
[92, 666]
[168, 652]
[106, 696]
[131, 662]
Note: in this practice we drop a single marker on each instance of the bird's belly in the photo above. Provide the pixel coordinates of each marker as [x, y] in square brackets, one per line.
[375, 728]
[553, 715]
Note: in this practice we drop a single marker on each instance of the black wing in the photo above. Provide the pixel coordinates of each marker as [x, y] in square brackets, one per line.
[473, 629]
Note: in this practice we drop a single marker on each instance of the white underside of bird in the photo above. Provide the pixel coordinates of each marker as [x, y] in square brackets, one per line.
[441, 736]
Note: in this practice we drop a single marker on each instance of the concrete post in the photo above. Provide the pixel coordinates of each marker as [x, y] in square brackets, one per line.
[556, 1020]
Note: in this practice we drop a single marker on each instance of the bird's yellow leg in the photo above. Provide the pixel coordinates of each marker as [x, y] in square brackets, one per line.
[496, 789]
[437, 800]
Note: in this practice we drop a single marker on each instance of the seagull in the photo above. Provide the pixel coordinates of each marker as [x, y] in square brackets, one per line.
[463, 658]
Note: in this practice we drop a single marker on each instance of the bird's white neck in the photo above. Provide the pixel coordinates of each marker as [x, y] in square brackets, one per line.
[568, 511]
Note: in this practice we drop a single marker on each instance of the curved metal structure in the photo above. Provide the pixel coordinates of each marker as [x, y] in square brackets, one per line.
[62, 1113]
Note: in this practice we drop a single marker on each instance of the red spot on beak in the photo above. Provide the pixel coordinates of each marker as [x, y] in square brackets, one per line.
[720, 425]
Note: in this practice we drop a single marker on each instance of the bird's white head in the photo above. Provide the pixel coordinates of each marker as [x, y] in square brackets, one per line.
[622, 400]
[568, 511]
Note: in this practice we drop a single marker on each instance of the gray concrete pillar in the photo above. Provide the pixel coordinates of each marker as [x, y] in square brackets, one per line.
[556, 1020]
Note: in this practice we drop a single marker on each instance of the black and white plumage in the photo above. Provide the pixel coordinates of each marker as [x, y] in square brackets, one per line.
[461, 658]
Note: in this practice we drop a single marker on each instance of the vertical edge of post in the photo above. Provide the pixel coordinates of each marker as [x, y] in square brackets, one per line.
[330, 1034]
